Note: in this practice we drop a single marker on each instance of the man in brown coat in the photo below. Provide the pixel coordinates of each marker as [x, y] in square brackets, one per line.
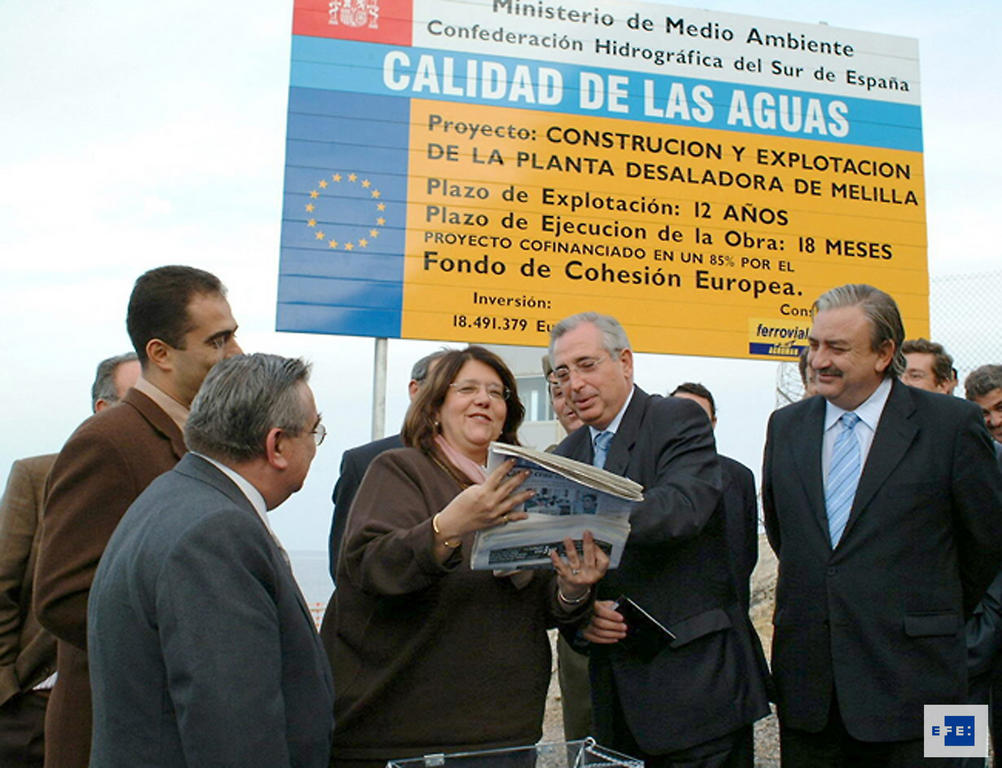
[28, 652]
[180, 325]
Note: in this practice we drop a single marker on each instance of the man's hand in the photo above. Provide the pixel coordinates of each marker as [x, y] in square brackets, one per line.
[606, 626]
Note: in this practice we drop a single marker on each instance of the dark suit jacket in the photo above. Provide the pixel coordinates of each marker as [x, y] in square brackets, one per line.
[880, 618]
[354, 462]
[984, 628]
[741, 523]
[708, 682]
[103, 467]
[202, 649]
[984, 631]
[27, 652]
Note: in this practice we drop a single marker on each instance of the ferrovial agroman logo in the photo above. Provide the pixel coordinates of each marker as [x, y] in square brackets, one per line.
[354, 13]
[956, 730]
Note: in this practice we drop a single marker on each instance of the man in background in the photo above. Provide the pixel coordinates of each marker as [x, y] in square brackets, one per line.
[883, 504]
[356, 460]
[202, 649]
[739, 498]
[806, 374]
[928, 366]
[180, 325]
[28, 652]
[674, 566]
[114, 377]
[983, 387]
[572, 665]
[562, 409]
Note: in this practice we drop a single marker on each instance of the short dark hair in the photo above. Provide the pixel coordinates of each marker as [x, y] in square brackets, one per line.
[419, 371]
[241, 400]
[158, 306]
[103, 387]
[982, 380]
[880, 309]
[697, 389]
[420, 424]
[942, 364]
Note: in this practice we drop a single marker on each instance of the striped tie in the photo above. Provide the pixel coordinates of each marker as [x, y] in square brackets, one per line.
[602, 440]
[843, 477]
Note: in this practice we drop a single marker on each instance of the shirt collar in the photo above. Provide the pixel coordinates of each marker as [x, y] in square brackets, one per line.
[177, 412]
[253, 494]
[614, 424]
[868, 411]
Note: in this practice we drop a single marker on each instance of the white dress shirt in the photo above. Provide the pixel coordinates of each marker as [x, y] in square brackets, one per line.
[869, 412]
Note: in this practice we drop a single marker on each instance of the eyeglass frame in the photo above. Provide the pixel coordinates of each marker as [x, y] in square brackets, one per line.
[505, 394]
[319, 432]
[562, 374]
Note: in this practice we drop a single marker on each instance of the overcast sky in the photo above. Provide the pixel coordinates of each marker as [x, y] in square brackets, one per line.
[141, 134]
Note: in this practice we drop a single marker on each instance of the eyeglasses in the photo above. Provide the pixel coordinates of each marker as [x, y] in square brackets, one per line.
[583, 367]
[471, 388]
[319, 432]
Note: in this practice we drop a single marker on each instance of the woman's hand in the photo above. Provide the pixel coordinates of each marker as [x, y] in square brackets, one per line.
[577, 573]
[485, 505]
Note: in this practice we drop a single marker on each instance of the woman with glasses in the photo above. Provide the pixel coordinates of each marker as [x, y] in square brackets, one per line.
[428, 655]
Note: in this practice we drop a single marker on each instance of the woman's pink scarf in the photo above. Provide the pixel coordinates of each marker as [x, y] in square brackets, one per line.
[476, 473]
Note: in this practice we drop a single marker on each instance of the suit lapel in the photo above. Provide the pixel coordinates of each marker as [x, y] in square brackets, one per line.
[577, 445]
[618, 458]
[895, 433]
[157, 419]
[806, 448]
[199, 468]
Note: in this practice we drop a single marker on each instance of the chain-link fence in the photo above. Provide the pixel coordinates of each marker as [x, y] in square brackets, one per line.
[960, 318]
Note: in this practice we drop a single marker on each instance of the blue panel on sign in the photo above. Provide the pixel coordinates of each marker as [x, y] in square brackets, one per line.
[311, 318]
[368, 68]
[778, 350]
[344, 214]
[356, 294]
[381, 267]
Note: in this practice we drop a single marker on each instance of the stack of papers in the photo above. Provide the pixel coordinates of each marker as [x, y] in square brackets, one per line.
[571, 497]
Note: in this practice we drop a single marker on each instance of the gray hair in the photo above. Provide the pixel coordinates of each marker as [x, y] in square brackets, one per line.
[982, 380]
[547, 367]
[614, 338]
[103, 387]
[241, 400]
[419, 371]
[880, 309]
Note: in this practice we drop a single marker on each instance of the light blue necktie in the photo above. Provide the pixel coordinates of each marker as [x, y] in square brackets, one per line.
[602, 440]
[843, 477]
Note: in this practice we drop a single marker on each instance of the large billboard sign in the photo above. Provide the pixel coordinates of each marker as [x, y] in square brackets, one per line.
[477, 170]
